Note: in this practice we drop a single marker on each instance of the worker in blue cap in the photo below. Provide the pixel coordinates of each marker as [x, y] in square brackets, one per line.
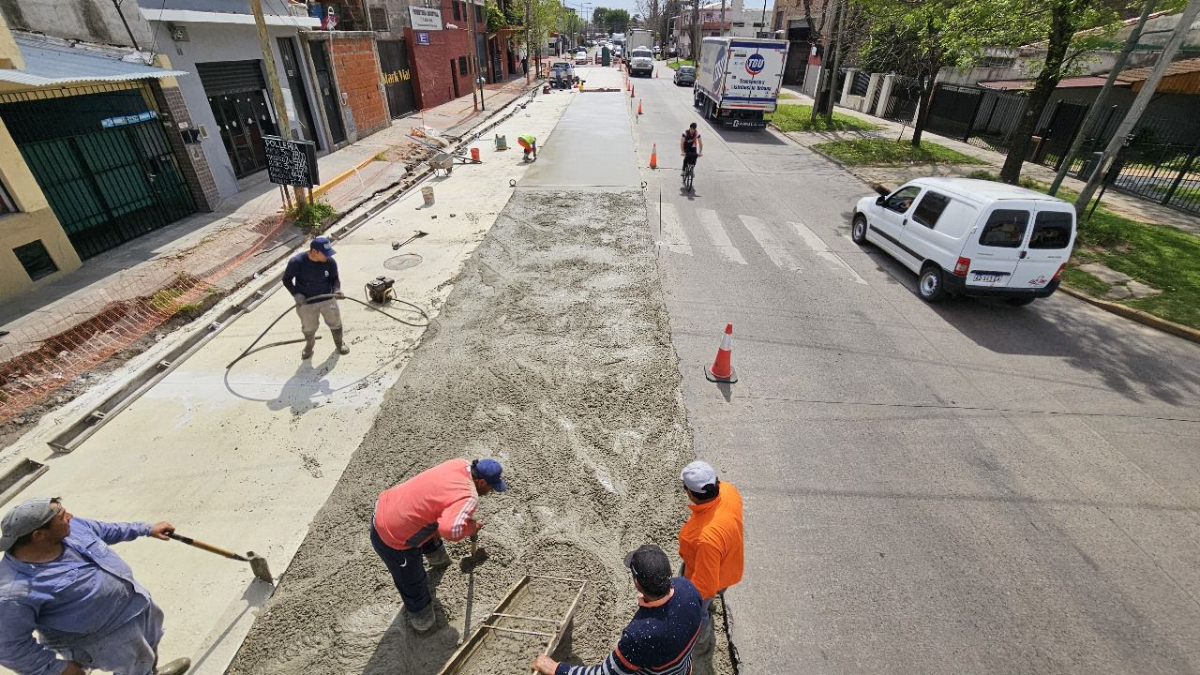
[312, 279]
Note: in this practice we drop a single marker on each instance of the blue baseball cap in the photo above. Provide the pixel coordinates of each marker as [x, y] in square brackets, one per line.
[490, 471]
[323, 245]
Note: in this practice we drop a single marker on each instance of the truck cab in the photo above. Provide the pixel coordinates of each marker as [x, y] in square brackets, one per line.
[641, 62]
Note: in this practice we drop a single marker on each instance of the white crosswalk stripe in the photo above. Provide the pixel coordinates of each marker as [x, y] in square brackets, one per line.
[711, 223]
[672, 237]
[774, 248]
[818, 246]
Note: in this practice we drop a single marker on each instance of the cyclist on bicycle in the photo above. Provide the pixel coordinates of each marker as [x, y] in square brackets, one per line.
[691, 147]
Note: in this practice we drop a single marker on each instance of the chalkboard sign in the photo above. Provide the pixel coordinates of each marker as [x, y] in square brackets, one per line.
[291, 162]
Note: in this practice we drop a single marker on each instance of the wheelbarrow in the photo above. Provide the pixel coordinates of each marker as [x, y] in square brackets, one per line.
[442, 161]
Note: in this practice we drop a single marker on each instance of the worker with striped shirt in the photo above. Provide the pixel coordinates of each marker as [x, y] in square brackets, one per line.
[660, 637]
[413, 518]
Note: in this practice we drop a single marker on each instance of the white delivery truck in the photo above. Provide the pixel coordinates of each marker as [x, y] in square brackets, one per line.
[640, 38]
[738, 79]
[641, 62]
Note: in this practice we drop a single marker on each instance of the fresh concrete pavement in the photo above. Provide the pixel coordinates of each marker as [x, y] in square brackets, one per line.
[244, 457]
[966, 487]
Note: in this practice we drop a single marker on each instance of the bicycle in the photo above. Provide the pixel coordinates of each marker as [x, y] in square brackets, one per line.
[689, 172]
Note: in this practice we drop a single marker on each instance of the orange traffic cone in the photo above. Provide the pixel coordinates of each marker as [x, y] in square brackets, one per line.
[654, 156]
[722, 368]
[639, 106]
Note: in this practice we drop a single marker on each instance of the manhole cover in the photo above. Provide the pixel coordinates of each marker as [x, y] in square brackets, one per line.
[402, 262]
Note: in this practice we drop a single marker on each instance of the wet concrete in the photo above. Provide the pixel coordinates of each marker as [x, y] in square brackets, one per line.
[591, 148]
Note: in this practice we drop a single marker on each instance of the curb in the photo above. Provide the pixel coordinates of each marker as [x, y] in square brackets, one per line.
[333, 182]
[1144, 318]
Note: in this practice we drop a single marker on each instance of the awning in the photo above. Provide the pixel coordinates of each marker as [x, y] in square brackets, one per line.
[197, 16]
[49, 61]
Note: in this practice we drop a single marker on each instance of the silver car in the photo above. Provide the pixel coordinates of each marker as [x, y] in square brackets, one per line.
[685, 76]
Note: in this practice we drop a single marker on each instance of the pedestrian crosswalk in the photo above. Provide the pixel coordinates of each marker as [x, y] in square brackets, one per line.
[791, 246]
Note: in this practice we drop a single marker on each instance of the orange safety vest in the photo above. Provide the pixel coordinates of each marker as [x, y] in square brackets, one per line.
[711, 543]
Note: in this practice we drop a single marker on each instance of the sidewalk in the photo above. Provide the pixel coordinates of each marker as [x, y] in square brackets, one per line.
[1116, 202]
[118, 298]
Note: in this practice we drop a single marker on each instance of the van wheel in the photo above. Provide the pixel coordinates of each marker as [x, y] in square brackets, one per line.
[858, 230]
[930, 286]
[1019, 302]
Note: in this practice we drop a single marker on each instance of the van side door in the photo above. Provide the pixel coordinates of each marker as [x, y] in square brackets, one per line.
[998, 245]
[937, 227]
[888, 220]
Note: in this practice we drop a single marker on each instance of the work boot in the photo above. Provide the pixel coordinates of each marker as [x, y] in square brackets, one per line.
[423, 620]
[438, 558]
[310, 341]
[337, 342]
[176, 667]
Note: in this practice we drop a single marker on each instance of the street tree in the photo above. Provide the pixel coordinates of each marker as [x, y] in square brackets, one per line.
[1066, 43]
[919, 38]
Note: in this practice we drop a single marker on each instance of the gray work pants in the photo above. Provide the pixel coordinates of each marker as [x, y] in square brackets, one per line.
[311, 315]
[131, 649]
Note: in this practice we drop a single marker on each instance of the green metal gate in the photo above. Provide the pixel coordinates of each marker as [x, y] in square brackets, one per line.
[104, 164]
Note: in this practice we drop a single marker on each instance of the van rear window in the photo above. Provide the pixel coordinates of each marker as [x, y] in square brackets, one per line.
[1005, 228]
[930, 209]
[1051, 230]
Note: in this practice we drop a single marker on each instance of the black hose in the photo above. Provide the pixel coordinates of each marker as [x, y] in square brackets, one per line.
[327, 296]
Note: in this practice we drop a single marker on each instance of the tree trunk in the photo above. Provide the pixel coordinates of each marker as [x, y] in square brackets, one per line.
[1064, 15]
[923, 108]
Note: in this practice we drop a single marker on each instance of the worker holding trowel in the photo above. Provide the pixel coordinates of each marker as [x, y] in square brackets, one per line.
[662, 633]
[711, 541]
[413, 518]
[59, 578]
[312, 279]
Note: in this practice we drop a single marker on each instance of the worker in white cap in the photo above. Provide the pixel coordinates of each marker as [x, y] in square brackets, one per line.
[59, 578]
[711, 542]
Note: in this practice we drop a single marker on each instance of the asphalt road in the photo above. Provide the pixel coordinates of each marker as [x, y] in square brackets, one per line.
[952, 488]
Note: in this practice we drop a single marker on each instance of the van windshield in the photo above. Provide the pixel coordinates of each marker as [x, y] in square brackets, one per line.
[1051, 230]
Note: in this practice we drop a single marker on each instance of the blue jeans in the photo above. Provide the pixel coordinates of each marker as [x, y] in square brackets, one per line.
[408, 570]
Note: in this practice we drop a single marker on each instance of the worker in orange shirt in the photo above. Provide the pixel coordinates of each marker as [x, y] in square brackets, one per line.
[711, 542]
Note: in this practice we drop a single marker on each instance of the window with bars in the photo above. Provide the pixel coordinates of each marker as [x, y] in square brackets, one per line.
[7, 205]
[379, 19]
[462, 65]
[36, 260]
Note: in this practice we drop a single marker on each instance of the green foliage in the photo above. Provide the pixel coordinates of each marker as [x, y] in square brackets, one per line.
[495, 18]
[1077, 278]
[886, 152]
[675, 65]
[799, 118]
[313, 216]
[612, 20]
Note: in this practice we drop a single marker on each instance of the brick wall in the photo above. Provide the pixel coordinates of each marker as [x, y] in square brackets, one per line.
[194, 164]
[434, 83]
[356, 70]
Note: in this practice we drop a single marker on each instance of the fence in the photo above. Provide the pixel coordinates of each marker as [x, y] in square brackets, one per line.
[906, 96]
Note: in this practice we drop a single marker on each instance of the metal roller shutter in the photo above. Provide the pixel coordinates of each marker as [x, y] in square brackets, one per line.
[231, 77]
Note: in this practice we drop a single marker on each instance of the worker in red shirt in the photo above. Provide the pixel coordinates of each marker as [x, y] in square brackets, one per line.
[711, 542]
[413, 518]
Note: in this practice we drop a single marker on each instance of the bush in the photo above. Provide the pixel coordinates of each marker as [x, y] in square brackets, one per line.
[314, 216]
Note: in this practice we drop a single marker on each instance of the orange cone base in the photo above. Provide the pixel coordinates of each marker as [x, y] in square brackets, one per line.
[713, 378]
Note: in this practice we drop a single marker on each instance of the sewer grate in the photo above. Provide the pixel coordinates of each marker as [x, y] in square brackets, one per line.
[402, 262]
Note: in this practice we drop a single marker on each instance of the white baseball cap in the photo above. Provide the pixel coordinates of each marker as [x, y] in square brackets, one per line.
[698, 475]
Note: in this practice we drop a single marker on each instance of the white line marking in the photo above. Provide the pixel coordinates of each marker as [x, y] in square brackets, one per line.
[769, 243]
[818, 246]
[716, 233]
[672, 237]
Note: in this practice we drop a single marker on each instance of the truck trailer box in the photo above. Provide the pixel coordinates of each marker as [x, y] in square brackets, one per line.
[738, 79]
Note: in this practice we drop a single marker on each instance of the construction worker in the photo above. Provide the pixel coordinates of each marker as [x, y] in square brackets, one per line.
[660, 637]
[308, 276]
[412, 518]
[711, 542]
[59, 578]
[529, 143]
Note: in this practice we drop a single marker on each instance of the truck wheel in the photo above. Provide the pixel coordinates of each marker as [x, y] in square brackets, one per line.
[858, 230]
[930, 286]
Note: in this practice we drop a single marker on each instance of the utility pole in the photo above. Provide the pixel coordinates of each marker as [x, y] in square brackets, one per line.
[837, 59]
[472, 32]
[1139, 104]
[722, 17]
[285, 127]
[696, 31]
[1094, 111]
[527, 43]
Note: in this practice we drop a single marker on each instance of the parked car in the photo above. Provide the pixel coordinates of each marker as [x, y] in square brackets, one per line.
[971, 237]
[581, 58]
[685, 76]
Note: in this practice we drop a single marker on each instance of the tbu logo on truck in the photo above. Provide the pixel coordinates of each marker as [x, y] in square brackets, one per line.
[755, 64]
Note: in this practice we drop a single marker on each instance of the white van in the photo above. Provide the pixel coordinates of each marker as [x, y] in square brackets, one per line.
[971, 237]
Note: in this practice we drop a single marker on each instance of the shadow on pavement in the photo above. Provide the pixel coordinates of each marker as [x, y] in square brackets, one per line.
[401, 650]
